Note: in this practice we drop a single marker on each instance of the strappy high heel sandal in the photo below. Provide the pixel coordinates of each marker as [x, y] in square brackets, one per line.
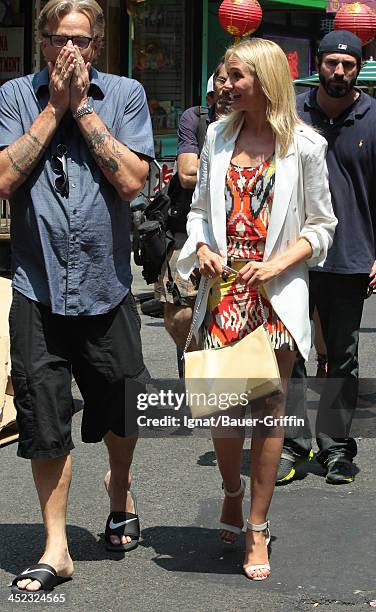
[258, 566]
[227, 526]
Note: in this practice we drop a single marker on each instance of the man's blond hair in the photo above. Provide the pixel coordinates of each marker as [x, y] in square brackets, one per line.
[56, 9]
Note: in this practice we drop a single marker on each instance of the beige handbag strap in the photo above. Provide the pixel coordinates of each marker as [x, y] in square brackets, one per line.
[197, 309]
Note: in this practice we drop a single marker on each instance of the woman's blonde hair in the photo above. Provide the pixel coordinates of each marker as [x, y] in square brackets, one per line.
[56, 9]
[268, 62]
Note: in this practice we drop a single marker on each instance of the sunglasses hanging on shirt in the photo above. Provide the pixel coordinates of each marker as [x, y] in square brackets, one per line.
[60, 167]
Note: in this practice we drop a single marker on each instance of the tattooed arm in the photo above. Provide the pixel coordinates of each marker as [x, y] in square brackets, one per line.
[19, 159]
[123, 168]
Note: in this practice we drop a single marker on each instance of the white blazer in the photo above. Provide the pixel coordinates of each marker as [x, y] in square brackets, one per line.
[301, 207]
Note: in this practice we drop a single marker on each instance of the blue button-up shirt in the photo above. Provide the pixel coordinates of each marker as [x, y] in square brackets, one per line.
[73, 253]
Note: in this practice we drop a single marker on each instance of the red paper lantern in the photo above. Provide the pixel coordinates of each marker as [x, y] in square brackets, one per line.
[240, 17]
[357, 18]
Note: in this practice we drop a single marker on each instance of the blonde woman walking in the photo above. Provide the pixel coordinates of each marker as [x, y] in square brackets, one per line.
[262, 205]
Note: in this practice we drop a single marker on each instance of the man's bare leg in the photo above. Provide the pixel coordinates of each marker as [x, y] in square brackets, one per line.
[118, 480]
[52, 479]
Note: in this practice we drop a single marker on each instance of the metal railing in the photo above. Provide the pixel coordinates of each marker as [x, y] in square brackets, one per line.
[160, 173]
[4, 217]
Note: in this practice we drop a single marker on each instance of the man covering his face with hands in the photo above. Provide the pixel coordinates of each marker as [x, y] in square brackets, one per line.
[75, 149]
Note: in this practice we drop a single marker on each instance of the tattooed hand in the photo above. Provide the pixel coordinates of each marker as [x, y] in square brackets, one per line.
[80, 82]
[60, 79]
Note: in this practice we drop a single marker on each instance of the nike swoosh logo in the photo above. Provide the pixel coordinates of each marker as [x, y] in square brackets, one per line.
[41, 569]
[113, 525]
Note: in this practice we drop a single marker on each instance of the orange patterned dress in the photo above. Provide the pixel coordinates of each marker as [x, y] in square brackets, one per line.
[233, 310]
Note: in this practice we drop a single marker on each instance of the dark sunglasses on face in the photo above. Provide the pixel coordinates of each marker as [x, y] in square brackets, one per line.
[59, 166]
[59, 41]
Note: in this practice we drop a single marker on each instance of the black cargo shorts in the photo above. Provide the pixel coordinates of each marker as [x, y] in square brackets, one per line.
[104, 354]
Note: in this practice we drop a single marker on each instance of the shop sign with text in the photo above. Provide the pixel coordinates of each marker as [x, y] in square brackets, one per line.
[11, 53]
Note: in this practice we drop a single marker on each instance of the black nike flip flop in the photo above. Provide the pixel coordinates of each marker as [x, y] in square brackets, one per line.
[123, 523]
[44, 573]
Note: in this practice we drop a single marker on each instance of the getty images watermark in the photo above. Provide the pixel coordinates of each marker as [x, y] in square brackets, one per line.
[222, 401]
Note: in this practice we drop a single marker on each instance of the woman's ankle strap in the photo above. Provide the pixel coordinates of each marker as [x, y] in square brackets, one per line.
[235, 493]
[260, 527]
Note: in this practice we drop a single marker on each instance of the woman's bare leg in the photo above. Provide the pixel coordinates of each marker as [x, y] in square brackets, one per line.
[228, 444]
[265, 455]
[320, 346]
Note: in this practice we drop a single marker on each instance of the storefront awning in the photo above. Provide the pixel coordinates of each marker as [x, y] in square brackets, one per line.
[335, 5]
[313, 4]
[366, 78]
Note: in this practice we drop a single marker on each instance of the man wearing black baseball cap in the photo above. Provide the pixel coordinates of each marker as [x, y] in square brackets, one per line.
[346, 117]
[337, 83]
[341, 41]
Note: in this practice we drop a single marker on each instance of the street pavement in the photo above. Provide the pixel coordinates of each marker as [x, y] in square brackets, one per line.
[323, 537]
